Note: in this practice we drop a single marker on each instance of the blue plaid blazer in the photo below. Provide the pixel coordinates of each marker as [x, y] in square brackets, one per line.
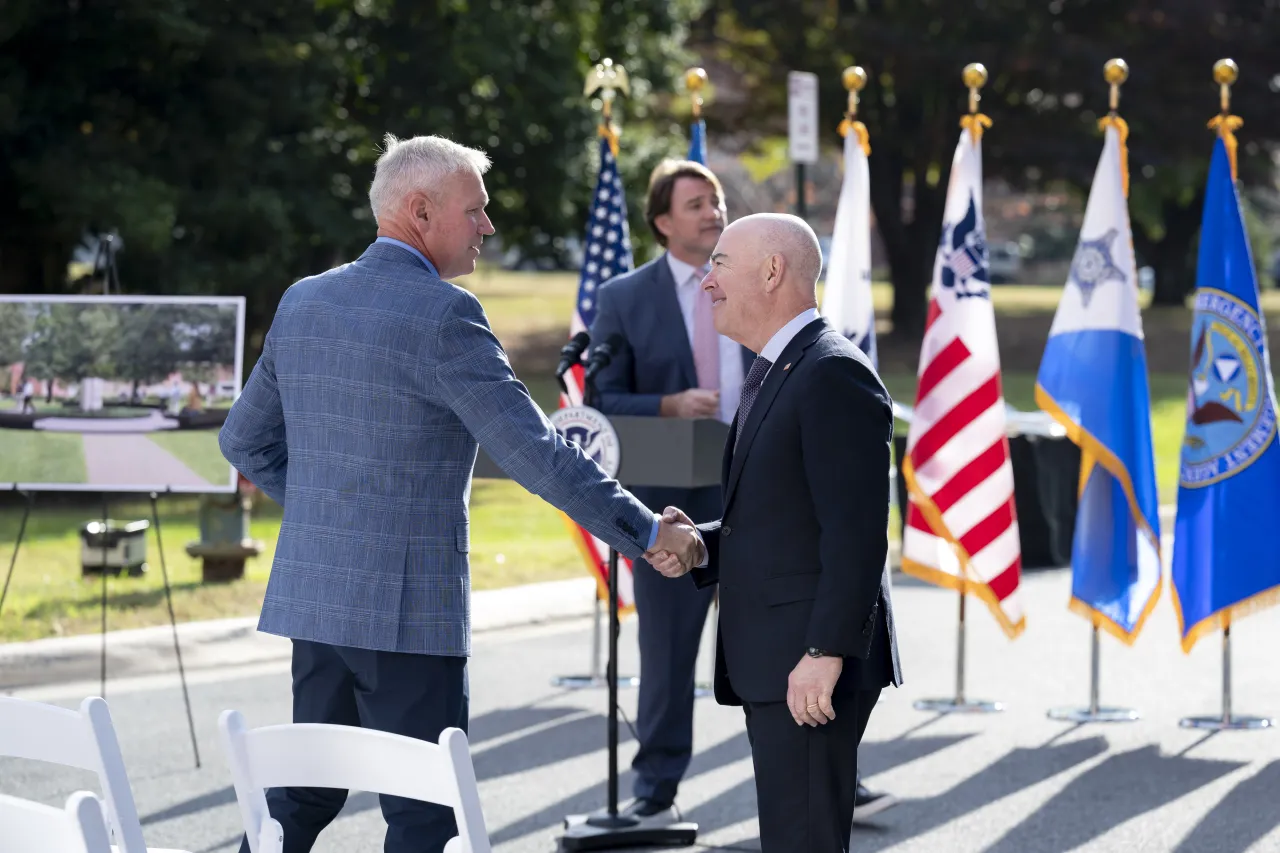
[361, 419]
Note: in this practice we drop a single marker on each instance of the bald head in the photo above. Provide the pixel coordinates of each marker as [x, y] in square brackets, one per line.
[791, 238]
[764, 273]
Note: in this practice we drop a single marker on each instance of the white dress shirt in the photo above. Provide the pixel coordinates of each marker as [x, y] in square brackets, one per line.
[773, 350]
[688, 282]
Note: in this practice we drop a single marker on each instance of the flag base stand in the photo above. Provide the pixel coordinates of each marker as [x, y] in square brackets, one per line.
[1227, 721]
[1095, 713]
[959, 704]
[595, 679]
[602, 831]
[606, 829]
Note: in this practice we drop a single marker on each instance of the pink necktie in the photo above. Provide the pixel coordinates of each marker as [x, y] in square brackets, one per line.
[706, 342]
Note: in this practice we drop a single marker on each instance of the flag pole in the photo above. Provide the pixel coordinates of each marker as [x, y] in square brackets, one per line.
[1225, 73]
[1115, 72]
[974, 77]
[609, 827]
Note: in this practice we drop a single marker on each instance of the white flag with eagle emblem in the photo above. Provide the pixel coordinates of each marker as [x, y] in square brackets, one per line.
[962, 527]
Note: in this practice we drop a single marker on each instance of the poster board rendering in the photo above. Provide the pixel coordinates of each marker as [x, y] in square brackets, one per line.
[110, 394]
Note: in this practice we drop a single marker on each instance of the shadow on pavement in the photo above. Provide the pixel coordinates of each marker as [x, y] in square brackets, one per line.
[1012, 772]
[1243, 817]
[739, 802]
[1108, 794]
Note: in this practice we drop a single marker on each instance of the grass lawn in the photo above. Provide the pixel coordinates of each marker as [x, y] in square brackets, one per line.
[198, 450]
[32, 456]
[516, 538]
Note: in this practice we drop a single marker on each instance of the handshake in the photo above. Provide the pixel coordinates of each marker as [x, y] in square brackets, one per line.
[678, 548]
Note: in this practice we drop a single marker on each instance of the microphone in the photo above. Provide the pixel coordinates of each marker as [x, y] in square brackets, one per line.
[603, 355]
[571, 353]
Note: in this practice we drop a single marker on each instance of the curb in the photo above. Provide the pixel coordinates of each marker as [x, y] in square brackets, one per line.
[236, 642]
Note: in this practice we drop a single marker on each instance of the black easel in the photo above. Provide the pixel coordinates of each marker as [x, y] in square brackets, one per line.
[107, 248]
[607, 829]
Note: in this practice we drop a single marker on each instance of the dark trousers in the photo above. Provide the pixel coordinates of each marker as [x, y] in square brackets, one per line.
[806, 776]
[671, 616]
[406, 694]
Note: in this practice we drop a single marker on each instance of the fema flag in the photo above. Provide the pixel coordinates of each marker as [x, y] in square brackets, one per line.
[1093, 381]
[1225, 560]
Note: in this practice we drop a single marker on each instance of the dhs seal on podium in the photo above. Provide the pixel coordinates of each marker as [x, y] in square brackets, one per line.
[1231, 414]
[592, 432]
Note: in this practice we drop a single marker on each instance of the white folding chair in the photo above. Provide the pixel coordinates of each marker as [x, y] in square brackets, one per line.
[329, 756]
[85, 739]
[27, 827]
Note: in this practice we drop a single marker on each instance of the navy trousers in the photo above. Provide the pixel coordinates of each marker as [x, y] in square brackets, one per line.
[406, 694]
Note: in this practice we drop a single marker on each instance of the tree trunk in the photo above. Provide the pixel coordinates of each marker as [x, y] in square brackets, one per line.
[910, 243]
[1172, 257]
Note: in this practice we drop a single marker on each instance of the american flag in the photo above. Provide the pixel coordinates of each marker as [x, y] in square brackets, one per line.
[962, 527]
[607, 253]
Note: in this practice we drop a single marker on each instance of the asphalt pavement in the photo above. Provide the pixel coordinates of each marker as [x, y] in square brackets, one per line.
[1011, 782]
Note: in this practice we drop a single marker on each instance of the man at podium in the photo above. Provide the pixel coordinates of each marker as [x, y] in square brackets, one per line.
[806, 639]
[675, 364]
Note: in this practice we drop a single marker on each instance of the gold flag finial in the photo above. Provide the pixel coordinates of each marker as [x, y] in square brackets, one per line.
[1226, 72]
[855, 80]
[975, 77]
[1115, 72]
[608, 77]
[695, 79]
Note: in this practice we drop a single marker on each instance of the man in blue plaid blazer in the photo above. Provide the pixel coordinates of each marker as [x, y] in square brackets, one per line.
[377, 379]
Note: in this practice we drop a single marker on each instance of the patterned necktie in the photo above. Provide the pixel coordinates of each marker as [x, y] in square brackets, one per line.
[750, 389]
[706, 341]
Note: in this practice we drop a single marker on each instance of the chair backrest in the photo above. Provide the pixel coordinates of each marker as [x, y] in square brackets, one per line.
[347, 757]
[36, 828]
[84, 739]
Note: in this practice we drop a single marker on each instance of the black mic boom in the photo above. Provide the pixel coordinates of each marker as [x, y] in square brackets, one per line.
[571, 353]
[603, 355]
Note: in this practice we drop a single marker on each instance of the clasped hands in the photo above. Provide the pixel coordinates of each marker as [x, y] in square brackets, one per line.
[679, 547]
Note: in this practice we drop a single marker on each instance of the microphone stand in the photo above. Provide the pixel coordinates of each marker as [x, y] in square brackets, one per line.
[606, 829]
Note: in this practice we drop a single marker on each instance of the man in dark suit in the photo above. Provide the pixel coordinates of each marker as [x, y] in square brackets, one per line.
[806, 637]
[675, 364]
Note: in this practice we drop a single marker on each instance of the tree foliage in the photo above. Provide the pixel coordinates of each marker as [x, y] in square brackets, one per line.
[1045, 95]
[231, 144]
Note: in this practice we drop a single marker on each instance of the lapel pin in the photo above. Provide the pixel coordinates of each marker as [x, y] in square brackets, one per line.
[787, 366]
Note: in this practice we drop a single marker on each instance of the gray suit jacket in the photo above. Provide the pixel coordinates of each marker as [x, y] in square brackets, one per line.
[361, 419]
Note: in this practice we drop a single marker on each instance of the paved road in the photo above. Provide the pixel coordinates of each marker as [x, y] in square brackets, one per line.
[1009, 783]
[133, 459]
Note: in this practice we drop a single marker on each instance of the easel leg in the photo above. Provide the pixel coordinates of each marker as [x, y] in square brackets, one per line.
[173, 623]
[22, 529]
[103, 670]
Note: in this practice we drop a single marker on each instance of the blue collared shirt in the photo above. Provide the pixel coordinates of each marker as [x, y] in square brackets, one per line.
[403, 245]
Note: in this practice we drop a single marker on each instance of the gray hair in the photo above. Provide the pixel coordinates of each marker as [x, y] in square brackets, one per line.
[420, 163]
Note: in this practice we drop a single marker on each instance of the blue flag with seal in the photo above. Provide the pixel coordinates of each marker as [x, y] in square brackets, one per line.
[1225, 559]
[698, 142]
[1093, 381]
